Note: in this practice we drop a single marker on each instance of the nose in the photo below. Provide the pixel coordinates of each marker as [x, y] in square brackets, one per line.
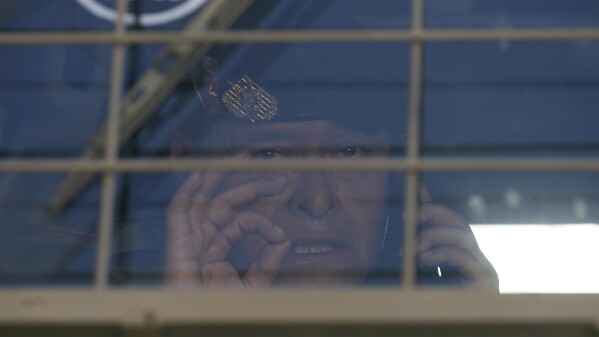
[313, 195]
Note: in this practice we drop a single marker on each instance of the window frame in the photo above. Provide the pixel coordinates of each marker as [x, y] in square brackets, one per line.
[140, 309]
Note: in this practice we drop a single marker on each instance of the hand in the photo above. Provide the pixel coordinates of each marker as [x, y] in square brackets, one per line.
[204, 224]
[446, 239]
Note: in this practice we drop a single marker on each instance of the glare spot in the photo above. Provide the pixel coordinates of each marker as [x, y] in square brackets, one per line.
[477, 205]
[512, 198]
[580, 208]
[542, 258]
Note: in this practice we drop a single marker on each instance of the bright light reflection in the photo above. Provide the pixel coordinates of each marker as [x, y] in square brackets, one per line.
[542, 258]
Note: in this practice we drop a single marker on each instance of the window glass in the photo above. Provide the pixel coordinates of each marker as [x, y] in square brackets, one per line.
[96, 15]
[318, 14]
[142, 15]
[52, 99]
[273, 103]
[511, 14]
[537, 229]
[338, 228]
[43, 244]
[511, 98]
[34, 15]
[140, 228]
[360, 85]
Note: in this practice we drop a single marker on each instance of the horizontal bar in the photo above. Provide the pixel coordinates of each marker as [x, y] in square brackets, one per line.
[292, 306]
[274, 36]
[382, 164]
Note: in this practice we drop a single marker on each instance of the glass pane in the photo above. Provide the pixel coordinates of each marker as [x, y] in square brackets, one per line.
[53, 99]
[330, 14]
[35, 15]
[31, 15]
[140, 230]
[76, 15]
[512, 14]
[269, 102]
[154, 14]
[539, 230]
[506, 98]
[43, 244]
[359, 85]
[337, 228]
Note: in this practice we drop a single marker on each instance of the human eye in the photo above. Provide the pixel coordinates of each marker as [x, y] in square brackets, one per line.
[352, 151]
[267, 153]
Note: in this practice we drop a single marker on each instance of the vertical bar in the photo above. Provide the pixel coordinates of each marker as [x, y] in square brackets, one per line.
[413, 147]
[111, 149]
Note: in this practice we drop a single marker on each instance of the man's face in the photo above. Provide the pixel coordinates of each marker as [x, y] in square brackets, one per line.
[334, 220]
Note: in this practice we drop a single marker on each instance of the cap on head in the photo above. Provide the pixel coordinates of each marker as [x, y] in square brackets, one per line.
[356, 85]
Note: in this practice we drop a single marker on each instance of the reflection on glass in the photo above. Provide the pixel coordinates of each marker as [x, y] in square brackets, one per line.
[256, 228]
[509, 99]
[299, 228]
[34, 15]
[52, 99]
[273, 103]
[537, 229]
[94, 15]
[509, 14]
[315, 14]
[304, 79]
[40, 246]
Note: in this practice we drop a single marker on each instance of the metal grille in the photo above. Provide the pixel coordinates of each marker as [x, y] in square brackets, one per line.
[338, 310]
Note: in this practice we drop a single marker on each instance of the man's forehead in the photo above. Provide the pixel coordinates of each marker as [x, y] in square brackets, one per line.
[300, 132]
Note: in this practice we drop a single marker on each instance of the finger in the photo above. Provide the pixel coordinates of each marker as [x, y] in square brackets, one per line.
[253, 223]
[218, 249]
[264, 269]
[435, 214]
[220, 274]
[225, 206]
[444, 235]
[204, 196]
[472, 269]
[177, 212]
[243, 224]
[181, 264]
[179, 228]
[201, 229]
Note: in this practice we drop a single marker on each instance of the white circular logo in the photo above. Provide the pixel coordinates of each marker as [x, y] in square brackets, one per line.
[179, 9]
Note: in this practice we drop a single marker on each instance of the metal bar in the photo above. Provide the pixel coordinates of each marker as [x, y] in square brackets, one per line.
[374, 164]
[111, 153]
[274, 36]
[152, 88]
[410, 227]
[337, 305]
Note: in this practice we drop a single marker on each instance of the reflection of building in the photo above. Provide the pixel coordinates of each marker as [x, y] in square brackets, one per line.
[507, 86]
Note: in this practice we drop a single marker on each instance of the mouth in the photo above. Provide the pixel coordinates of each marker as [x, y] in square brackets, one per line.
[313, 248]
[318, 257]
[306, 247]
